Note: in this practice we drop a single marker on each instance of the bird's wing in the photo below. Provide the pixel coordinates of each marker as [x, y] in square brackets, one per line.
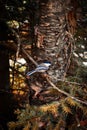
[41, 68]
[31, 72]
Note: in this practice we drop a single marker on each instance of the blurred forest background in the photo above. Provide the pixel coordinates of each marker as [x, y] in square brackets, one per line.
[33, 31]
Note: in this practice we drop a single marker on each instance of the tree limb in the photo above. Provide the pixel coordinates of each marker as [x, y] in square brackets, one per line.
[51, 83]
[65, 93]
[18, 41]
[29, 57]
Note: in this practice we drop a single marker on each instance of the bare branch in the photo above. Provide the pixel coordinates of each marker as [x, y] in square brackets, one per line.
[65, 93]
[18, 48]
[18, 41]
[29, 57]
[66, 81]
[52, 84]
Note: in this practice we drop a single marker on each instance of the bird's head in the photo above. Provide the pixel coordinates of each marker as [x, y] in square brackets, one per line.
[47, 63]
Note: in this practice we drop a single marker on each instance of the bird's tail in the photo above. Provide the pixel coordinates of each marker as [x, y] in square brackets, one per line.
[30, 72]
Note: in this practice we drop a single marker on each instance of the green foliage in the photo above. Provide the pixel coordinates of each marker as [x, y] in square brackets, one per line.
[50, 116]
[54, 115]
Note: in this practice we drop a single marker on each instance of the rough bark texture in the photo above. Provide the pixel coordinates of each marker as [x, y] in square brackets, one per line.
[53, 42]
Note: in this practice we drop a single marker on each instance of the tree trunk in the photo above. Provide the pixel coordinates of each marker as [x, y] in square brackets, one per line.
[54, 43]
[4, 69]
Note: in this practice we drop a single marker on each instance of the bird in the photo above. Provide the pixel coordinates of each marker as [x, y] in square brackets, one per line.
[43, 67]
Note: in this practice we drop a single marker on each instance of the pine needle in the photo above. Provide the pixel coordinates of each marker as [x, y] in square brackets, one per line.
[66, 109]
[70, 101]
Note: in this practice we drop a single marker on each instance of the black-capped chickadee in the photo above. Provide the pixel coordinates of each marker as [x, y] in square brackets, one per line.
[40, 68]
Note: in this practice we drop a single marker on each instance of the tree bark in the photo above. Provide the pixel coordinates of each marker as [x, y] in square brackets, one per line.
[54, 42]
[4, 69]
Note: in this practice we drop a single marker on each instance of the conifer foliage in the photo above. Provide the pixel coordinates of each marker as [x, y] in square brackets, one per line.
[33, 30]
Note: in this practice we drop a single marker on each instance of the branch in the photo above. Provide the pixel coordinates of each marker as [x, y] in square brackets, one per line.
[51, 83]
[18, 41]
[29, 57]
[66, 81]
[18, 48]
[63, 92]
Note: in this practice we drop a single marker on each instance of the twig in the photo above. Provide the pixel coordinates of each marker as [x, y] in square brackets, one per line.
[18, 41]
[29, 57]
[66, 81]
[65, 93]
[18, 48]
[52, 84]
